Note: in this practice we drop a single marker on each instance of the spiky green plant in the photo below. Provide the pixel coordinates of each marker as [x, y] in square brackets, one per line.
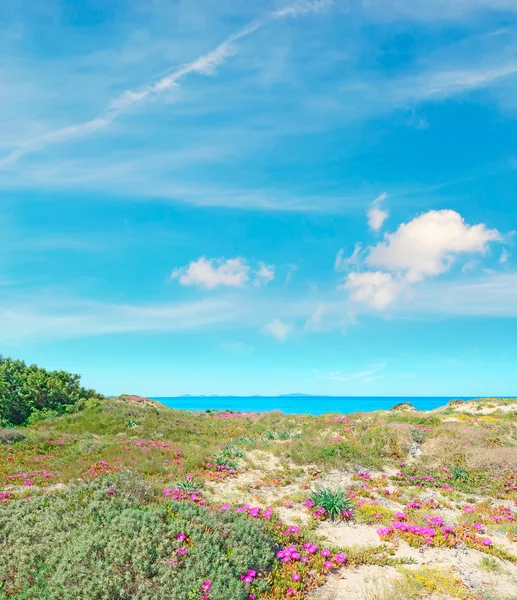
[188, 485]
[335, 502]
[460, 474]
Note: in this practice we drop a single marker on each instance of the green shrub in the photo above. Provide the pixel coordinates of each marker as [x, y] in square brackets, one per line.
[25, 389]
[104, 540]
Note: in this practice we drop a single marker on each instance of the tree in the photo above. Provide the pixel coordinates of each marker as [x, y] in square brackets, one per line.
[25, 389]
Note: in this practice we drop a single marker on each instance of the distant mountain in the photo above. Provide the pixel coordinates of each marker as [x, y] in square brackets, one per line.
[250, 396]
[295, 395]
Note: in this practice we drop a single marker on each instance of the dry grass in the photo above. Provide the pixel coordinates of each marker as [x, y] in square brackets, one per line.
[495, 460]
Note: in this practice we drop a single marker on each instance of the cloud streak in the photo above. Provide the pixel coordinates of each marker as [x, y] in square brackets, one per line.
[205, 64]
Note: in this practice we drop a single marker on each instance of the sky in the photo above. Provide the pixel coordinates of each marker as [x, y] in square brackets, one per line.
[242, 197]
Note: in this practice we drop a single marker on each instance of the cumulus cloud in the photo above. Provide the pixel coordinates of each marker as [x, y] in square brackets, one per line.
[210, 273]
[424, 247]
[429, 244]
[264, 274]
[375, 288]
[278, 329]
[377, 216]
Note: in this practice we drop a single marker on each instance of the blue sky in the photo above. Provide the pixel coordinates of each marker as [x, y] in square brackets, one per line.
[261, 197]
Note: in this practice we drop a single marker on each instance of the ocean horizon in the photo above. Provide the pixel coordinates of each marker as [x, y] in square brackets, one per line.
[302, 404]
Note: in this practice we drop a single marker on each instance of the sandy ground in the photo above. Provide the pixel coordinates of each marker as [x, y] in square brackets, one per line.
[364, 582]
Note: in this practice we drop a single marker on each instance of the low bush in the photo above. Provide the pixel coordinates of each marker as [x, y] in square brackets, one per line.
[105, 540]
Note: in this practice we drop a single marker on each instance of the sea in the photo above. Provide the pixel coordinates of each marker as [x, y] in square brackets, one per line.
[311, 405]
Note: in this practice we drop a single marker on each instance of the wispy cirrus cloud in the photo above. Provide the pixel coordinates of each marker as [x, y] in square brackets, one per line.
[205, 64]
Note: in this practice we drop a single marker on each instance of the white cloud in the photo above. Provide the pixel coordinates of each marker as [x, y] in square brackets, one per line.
[278, 329]
[63, 320]
[429, 244]
[377, 216]
[264, 274]
[302, 8]
[315, 321]
[505, 255]
[375, 288]
[343, 264]
[205, 64]
[210, 273]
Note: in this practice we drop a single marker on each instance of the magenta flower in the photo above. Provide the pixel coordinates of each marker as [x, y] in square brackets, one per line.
[487, 542]
[296, 577]
[206, 586]
[328, 564]
[325, 553]
[181, 536]
[340, 558]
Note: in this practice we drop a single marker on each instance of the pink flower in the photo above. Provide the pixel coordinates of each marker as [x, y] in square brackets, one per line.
[487, 542]
[111, 491]
[340, 558]
[206, 586]
[181, 536]
[296, 577]
[325, 553]
[328, 564]
[182, 551]
[290, 592]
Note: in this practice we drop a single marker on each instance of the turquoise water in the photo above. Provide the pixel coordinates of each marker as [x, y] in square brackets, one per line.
[313, 405]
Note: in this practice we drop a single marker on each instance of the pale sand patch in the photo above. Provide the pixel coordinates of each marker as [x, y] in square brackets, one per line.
[471, 407]
[246, 487]
[349, 534]
[370, 581]
[356, 584]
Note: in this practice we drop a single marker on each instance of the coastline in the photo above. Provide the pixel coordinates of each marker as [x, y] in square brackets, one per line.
[310, 405]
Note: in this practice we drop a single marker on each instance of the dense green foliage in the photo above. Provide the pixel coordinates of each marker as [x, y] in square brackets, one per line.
[110, 540]
[28, 392]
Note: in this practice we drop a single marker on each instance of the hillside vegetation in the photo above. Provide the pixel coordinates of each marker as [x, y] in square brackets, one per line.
[28, 392]
[126, 498]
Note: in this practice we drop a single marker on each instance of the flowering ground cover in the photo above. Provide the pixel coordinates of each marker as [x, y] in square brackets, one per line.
[129, 499]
